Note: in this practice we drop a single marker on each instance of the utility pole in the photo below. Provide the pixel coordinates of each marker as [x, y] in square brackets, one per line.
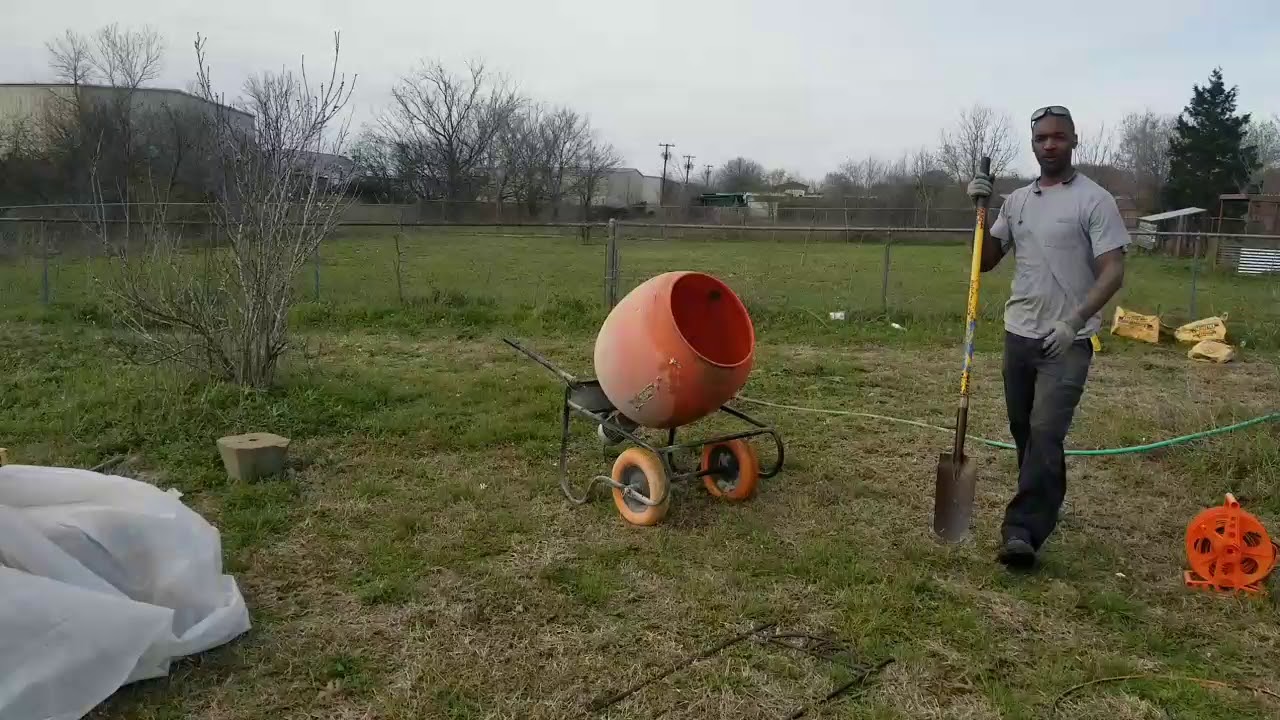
[662, 187]
[688, 167]
[706, 176]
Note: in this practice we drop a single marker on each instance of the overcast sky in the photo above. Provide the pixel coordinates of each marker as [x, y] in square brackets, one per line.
[799, 85]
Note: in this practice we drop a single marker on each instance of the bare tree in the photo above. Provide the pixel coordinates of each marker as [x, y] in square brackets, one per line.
[1096, 156]
[107, 128]
[446, 126]
[523, 158]
[836, 185]
[1143, 152]
[122, 58]
[979, 131]
[863, 175]
[127, 58]
[70, 58]
[740, 175]
[1096, 148]
[598, 160]
[376, 171]
[226, 311]
[927, 180]
[564, 135]
[1264, 134]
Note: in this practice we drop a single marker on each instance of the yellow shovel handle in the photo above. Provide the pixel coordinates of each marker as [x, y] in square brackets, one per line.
[975, 280]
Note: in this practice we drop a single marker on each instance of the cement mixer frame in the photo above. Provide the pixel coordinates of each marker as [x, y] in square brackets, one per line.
[729, 468]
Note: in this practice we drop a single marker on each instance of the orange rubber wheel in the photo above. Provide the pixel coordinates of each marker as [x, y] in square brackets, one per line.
[737, 470]
[642, 471]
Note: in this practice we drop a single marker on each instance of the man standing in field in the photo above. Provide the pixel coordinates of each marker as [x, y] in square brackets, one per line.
[1069, 241]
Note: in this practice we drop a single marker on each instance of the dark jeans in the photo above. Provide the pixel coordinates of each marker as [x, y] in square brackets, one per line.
[1041, 396]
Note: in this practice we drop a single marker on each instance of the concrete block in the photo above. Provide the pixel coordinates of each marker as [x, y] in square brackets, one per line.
[253, 455]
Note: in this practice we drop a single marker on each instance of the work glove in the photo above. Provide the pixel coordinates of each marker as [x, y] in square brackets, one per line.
[1059, 339]
[979, 187]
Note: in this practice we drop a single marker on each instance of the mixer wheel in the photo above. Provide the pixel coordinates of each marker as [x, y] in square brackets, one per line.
[642, 471]
[737, 469]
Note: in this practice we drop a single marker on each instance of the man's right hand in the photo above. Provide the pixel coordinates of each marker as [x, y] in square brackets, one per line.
[980, 187]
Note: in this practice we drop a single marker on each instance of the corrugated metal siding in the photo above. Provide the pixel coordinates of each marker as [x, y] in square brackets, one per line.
[1258, 261]
[1249, 260]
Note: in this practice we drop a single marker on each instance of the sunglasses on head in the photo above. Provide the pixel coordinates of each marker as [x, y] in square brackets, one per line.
[1050, 110]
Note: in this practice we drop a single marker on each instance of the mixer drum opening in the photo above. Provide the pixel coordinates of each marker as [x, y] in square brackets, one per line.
[712, 320]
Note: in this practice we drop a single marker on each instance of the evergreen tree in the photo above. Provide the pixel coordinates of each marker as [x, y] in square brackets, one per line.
[1207, 151]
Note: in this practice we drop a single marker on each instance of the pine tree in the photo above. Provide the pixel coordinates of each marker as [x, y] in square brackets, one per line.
[1207, 152]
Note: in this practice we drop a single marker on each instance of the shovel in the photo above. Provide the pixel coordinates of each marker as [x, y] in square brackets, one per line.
[957, 475]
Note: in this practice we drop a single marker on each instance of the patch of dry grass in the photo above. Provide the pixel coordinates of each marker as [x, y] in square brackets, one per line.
[419, 562]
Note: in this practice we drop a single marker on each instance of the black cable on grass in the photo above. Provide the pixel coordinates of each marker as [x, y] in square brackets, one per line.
[1053, 711]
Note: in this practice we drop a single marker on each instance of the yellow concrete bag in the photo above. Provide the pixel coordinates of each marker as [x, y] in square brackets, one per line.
[1210, 328]
[1212, 351]
[1136, 326]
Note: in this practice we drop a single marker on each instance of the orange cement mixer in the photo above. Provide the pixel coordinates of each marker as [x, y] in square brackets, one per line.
[675, 349]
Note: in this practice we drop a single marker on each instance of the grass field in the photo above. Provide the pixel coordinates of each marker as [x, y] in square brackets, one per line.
[418, 560]
[554, 284]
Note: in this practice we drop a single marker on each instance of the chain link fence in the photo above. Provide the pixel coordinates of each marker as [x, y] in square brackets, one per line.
[386, 257]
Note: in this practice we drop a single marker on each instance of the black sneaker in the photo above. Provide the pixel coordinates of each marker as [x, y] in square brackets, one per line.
[1017, 553]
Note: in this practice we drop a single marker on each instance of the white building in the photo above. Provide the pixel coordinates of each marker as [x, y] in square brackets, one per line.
[626, 187]
[28, 101]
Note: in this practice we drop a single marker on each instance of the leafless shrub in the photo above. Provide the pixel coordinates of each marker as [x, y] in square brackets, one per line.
[225, 310]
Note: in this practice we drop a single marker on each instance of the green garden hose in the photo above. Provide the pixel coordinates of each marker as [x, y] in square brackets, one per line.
[1009, 446]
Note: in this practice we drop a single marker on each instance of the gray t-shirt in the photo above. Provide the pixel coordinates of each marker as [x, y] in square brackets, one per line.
[1056, 232]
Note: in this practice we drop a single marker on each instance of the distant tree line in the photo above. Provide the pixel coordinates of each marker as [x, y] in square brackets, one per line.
[471, 136]
[1160, 161]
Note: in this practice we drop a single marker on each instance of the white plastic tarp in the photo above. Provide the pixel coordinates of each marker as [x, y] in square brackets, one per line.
[103, 581]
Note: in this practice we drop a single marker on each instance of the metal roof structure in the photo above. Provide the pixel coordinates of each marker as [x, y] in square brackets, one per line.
[144, 89]
[1171, 214]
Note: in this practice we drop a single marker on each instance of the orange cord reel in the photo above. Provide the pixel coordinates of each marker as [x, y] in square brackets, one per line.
[1228, 549]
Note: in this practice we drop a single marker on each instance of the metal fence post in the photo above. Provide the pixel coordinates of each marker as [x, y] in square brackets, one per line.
[884, 279]
[1195, 270]
[611, 265]
[315, 270]
[44, 264]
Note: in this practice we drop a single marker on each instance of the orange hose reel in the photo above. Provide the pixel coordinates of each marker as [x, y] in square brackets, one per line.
[1228, 549]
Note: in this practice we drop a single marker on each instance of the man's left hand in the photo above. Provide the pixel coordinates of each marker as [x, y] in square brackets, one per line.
[1057, 342]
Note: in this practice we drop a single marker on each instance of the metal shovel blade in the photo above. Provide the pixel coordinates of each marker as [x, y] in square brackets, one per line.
[953, 497]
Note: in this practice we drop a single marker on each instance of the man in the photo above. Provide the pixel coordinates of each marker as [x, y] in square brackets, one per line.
[1070, 241]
